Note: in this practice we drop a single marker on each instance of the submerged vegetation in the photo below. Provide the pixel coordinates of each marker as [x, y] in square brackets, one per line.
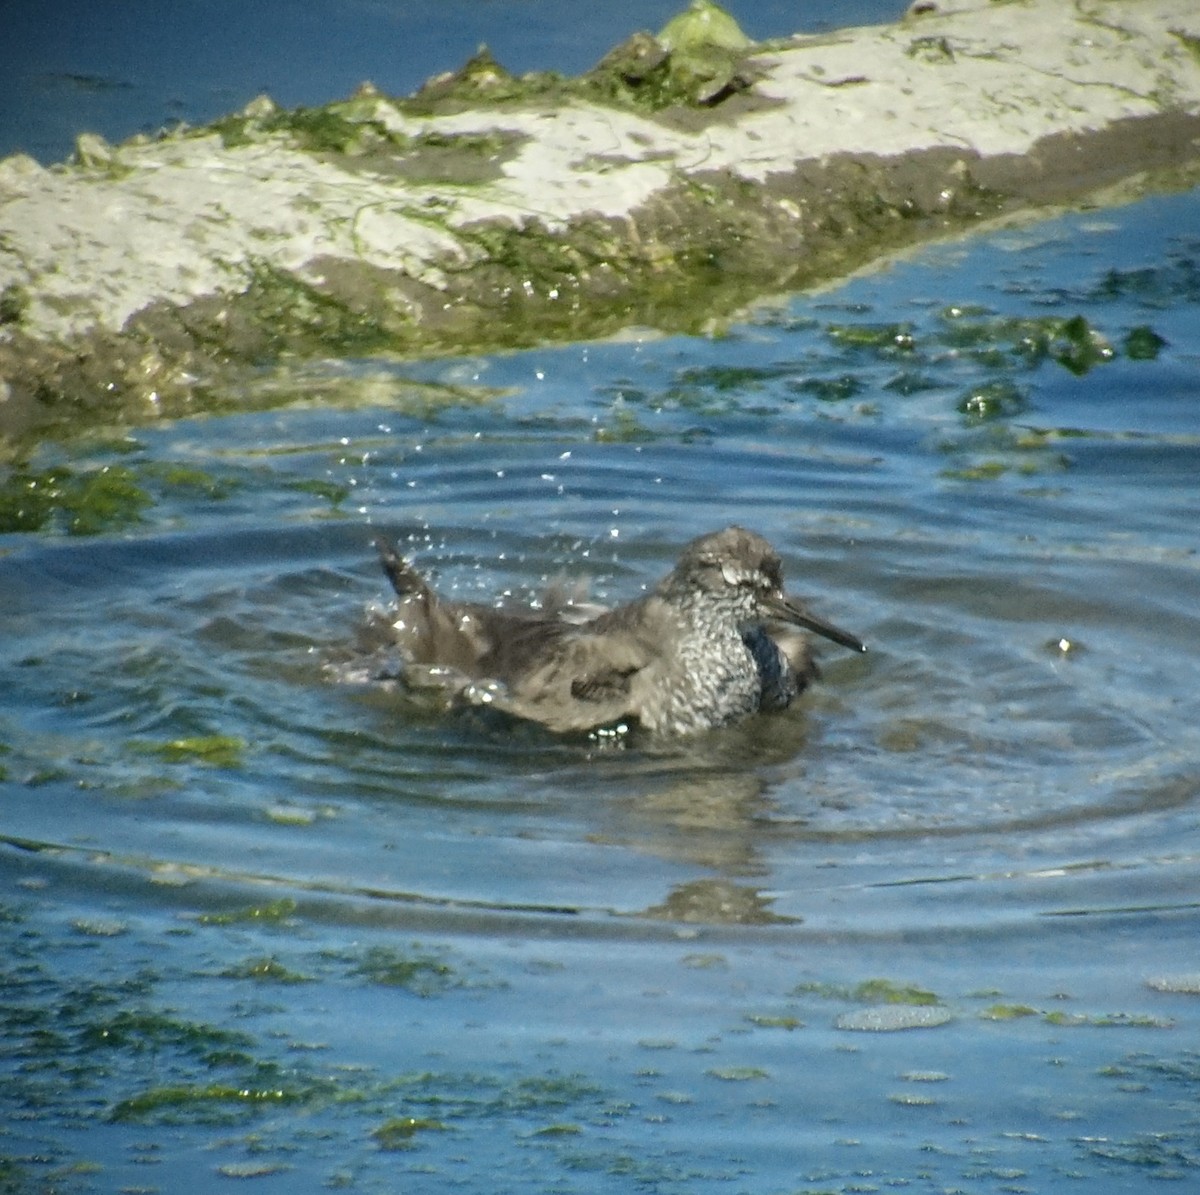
[871, 991]
[107, 1050]
[216, 750]
[998, 431]
[81, 503]
[417, 971]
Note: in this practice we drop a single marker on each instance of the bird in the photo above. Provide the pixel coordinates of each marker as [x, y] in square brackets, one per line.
[715, 641]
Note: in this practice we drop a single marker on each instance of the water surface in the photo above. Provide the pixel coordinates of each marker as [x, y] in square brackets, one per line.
[262, 923]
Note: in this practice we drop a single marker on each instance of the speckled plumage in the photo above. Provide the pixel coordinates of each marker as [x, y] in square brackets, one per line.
[713, 642]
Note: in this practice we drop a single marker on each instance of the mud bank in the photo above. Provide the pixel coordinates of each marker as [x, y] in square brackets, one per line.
[686, 174]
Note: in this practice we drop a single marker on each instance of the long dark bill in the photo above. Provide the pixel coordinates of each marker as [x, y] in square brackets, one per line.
[790, 611]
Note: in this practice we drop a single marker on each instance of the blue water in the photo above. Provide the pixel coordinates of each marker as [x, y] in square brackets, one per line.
[259, 922]
[561, 967]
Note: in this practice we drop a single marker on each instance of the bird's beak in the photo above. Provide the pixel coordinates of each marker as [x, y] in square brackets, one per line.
[785, 608]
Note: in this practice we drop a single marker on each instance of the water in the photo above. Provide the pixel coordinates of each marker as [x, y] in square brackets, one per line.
[145, 65]
[261, 923]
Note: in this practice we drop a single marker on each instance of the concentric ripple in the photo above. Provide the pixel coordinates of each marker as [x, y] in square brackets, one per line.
[983, 462]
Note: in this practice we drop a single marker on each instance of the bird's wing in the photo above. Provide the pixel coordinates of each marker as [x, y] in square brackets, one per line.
[591, 676]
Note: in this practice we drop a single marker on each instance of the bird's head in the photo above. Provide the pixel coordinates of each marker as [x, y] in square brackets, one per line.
[740, 569]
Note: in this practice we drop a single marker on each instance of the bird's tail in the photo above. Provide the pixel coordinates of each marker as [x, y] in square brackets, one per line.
[406, 581]
[427, 629]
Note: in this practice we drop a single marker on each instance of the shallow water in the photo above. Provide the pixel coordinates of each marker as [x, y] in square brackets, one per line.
[260, 923]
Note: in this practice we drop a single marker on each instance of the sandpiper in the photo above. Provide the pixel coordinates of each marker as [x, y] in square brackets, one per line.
[713, 642]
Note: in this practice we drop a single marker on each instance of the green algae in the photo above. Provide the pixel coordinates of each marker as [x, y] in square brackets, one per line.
[737, 1074]
[882, 339]
[730, 377]
[456, 160]
[187, 479]
[558, 1130]
[29, 500]
[333, 492]
[81, 501]
[257, 1086]
[1173, 282]
[623, 427]
[1190, 42]
[634, 75]
[636, 1171]
[1110, 1020]
[482, 81]
[14, 301]
[298, 317]
[996, 342]
[103, 1052]
[214, 750]
[1182, 1068]
[995, 399]
[420, 972]
[983, 471]
[78, 502]
[533, 1093]
[703, 26]
[273, 913]
[264, 970]
[438, 1101]
[344, 128]
[1163, 1155]
[993, 340]
[870, 991]
[1078, 347]
[139, 1030]
[400, 1132]
[96, 160]
[705, 56]
[765, 1021]
[884, 991]
[200, 1100]
[836, 389]
[1143, 343]
[465, 1096]
[1007, 1012]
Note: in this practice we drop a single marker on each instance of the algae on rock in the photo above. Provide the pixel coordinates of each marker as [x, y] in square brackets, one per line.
[686, 174]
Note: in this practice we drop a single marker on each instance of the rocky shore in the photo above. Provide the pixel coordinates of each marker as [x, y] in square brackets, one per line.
[686, 174]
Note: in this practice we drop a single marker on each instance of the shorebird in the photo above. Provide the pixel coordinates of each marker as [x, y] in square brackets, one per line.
[714, 641]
